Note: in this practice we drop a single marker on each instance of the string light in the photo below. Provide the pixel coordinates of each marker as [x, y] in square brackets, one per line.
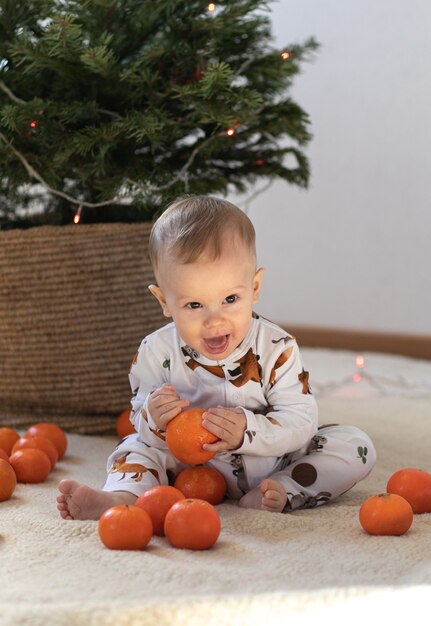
[285, 55]
[211, 7]
[230, 132]
[77, 217]
[360, 362]
[371, 378]
[33, 124]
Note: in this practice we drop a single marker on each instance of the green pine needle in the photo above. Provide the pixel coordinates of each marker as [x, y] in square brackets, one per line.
[105, 98]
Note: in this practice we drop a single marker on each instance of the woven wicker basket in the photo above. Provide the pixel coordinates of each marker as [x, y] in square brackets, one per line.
[74, 306]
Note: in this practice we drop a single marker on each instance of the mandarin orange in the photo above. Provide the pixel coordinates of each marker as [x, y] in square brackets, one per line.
[43, 443]
[124, 425]
[193, 524]
[157, 502]
[203, 482]
[31, 465]
[125, 527]
[7, 480]
[185, 437]
[51, 431]
[8, 436]
[386, 514]
[414, 485]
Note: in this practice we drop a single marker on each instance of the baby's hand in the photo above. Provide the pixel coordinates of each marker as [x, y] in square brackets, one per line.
[164, 404]
[227, 424]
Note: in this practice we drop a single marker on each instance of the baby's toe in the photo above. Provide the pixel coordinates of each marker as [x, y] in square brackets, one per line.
[271, 494]
[65, 514]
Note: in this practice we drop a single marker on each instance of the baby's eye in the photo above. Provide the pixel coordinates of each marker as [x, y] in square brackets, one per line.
[193, 305]
[231, 299]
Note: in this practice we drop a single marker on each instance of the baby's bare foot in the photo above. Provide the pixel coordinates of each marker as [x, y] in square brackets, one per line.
[274, 496]
[78, 501]
[270, 495]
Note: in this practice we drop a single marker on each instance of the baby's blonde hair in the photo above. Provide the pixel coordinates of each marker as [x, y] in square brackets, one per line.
[193, 225]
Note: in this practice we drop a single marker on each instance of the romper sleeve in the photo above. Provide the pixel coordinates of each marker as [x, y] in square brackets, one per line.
[148, 372]
[291, 418]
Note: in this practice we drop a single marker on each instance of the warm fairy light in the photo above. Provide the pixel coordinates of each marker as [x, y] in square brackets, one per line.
[33, 124]
[77, 217]
[360, 362]
[211, 7]
[230, 132]
[285, 55]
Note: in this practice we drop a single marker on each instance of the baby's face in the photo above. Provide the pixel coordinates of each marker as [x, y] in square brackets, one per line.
[211, 301]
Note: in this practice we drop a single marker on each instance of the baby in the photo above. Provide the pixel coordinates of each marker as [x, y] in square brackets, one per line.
[245, 371]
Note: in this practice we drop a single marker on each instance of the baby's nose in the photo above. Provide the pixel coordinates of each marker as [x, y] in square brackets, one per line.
[214, 318]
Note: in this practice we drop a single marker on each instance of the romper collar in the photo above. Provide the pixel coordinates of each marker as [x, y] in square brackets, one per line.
[234, 357]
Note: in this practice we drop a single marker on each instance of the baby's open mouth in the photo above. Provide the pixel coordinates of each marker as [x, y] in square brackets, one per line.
[217, 345]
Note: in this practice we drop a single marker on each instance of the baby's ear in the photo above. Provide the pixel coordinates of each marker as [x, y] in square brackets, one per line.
[158, 294]
[257, 284]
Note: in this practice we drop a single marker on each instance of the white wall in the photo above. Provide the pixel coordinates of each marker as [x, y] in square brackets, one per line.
[354, 250]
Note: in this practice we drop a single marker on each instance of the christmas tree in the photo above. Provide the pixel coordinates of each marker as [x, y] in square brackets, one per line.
[109, 109]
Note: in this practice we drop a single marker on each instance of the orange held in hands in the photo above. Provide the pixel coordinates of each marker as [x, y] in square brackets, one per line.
[125, 527]
[193, 524]
[185, 437]
[415, 486]
[8, 436]
[386, 514]
[7, 480]
[124, 425]
[31, 465]
[203, 482]
[157, 502]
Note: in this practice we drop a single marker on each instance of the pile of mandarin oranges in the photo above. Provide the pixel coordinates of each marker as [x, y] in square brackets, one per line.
[31, 457]
[408, 492]
[185, 512]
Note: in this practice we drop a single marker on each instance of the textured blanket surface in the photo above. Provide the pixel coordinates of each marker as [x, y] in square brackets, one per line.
[307, 566]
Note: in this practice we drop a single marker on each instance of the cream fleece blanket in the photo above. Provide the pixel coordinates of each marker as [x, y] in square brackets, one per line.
[273, 569]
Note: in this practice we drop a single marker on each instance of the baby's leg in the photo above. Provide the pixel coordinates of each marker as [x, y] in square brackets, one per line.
[77, 501]
[133, 468]
[337, 458]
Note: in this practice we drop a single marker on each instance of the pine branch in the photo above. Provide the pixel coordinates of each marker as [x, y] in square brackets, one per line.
[10, 94]
[34, 174]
